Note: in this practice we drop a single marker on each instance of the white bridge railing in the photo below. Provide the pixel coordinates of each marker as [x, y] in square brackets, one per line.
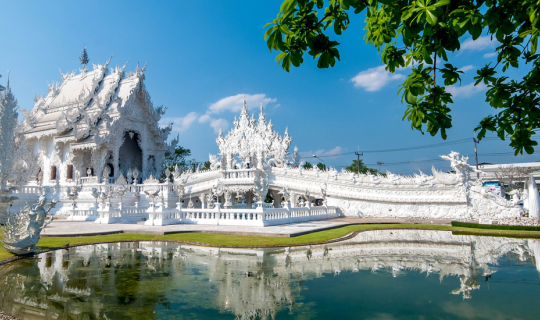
[240, 174]
[259, 216]
[159, 214]
[107, 214]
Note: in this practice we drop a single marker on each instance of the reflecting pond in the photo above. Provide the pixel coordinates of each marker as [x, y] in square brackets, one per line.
[385, 274]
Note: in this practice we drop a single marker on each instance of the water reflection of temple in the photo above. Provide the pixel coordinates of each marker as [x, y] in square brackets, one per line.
[108, 280]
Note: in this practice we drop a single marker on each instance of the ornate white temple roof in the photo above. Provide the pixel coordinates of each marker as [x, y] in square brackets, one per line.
[254, 138]
[85, 104]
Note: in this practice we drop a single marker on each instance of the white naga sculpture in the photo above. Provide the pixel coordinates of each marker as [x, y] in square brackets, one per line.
[22, 231]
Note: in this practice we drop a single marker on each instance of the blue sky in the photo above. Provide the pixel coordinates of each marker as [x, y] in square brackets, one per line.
[203, 56]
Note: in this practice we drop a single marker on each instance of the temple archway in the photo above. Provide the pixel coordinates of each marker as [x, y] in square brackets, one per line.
[130, 154]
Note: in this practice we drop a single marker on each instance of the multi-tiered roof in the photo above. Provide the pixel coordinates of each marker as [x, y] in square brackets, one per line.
[254, 139]
[84, 105]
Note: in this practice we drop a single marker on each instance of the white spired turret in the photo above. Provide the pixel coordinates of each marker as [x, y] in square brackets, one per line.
[534, 199]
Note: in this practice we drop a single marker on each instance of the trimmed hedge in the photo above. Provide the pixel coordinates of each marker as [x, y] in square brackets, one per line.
[493, 226]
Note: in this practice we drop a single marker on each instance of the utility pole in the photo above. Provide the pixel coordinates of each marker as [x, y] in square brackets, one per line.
[380, 163]
[476, 157]
[358, 161]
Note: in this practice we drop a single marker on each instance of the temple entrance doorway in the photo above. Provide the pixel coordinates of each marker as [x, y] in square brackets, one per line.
[130, 154]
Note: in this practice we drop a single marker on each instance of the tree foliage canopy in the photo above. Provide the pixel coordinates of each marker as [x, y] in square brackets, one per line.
[420, 33]
[180, 158]
[363, 168]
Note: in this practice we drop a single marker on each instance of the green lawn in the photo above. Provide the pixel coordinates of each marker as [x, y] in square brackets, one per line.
[234, 240]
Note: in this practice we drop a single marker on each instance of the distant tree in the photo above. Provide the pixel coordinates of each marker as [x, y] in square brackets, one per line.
[206, 165]
[8, 128]
[511, 177]
[179, 158]
[307, 165]
[363, 168]
[84, 57]
[420, 34]
[268, 198]
[321, 166]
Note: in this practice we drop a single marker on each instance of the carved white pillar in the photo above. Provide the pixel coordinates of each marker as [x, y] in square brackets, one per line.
[259, 160]
[202, 199]
[292, 199]
[249, 199]
[230, 161]
[116, 163]
[144, 164]
[277, 198]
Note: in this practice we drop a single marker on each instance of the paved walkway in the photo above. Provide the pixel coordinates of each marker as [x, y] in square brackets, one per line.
[59, 228]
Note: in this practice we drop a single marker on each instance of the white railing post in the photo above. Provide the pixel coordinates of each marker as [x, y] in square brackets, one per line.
[217, 211]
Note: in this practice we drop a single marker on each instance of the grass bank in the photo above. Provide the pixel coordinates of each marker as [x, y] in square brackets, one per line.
[240, 241]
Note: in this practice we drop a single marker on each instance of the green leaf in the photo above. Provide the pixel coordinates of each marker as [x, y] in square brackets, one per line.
[287, 63]
[344, 4]
[431, 18]
[410, 98]
[440, 4]
[534, 43]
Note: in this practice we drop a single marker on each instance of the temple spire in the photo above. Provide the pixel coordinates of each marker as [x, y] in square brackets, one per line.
[84, 57]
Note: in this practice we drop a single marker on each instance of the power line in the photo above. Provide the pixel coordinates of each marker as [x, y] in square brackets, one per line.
[435, 145]
[496, 154]
[440, 144]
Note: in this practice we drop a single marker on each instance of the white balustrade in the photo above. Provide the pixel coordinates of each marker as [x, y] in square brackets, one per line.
[259, 216]
[111, 215]
[239, 174]
[83, 215]
[28, 189]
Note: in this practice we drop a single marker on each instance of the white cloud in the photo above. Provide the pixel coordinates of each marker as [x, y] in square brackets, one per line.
[323, 153]
[216, 124]
[490, 55]
[180, 124]
[466, 90]
[374, 79]
[234, 103]
[220, 123]
[337, 150]
[466, 68]
[205, 118]
[479, 44]
[231, 103]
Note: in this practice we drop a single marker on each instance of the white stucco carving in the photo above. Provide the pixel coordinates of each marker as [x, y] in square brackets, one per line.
[105, 115]
[251, 153]
[105, 127]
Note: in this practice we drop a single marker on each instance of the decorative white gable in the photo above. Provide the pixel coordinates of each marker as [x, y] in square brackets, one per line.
[97, 119]
[251, 143]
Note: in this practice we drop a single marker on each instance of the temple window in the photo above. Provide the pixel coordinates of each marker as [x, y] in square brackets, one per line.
[53, 172]
[70, 172]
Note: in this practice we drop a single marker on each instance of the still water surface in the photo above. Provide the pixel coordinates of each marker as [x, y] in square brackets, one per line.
[390, 274]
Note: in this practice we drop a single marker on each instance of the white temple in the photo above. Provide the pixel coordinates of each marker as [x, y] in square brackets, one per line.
[98, 147]
[96, 121]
